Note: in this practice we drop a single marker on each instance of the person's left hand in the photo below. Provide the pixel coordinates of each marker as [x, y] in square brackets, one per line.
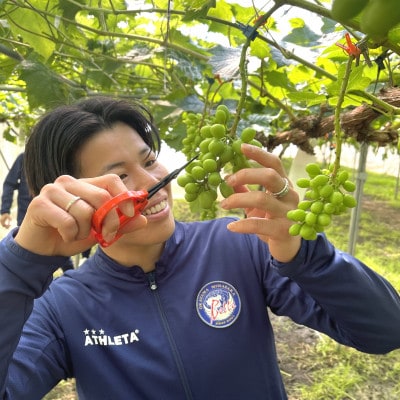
[5, 220]
[265, 212]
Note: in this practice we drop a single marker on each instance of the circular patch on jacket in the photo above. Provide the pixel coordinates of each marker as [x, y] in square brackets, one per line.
[218, 304]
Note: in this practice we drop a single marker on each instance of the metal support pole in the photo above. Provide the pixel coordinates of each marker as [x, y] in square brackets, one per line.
[396, 190]
[356, 212]
[4, 160]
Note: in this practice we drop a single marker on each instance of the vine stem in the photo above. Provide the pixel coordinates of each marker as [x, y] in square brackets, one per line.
[243, 67]
[338, 109]
[379, 104]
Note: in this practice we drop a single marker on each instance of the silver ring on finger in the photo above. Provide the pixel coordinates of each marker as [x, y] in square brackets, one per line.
[71, 203]
[284, 191]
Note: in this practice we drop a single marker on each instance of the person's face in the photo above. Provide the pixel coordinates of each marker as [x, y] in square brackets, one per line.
[121, 151]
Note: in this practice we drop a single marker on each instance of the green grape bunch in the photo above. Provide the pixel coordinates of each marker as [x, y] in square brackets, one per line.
[376, 17]
[327, 194]
[219, 151]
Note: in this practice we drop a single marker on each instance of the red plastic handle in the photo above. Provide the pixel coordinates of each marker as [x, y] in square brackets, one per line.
[139, 199]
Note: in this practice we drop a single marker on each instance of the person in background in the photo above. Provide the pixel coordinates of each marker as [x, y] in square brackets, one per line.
[16, 181]
[171, 310]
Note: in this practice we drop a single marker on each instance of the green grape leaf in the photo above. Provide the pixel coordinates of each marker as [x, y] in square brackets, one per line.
[36, 35]
[43, 86]
[301, 34]
[357, 79]
[311, 99]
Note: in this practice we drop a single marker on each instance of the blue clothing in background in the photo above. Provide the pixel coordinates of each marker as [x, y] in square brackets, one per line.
[16, 180]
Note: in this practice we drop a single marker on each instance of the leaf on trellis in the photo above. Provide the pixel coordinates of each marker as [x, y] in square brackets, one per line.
[311, 99]
[35, 32]
[302, 35]
[197, 8]
[43, 86]
[225, 61]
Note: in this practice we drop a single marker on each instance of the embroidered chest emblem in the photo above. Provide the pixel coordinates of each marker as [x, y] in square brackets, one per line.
[218, 304]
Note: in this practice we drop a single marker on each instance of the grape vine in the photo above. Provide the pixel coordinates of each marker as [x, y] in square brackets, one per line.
[215, 140]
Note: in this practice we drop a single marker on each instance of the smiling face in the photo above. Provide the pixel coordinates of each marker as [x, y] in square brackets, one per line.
[121, 151]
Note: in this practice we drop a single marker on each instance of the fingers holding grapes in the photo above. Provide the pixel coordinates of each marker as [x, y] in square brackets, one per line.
[265, 213]
[277, 195]
[265, 209]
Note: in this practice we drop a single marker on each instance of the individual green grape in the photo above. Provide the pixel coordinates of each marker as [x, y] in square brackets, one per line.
[207, 156]
[184, 179]
[349, 201]
[205, 131]
[198, 173]
[206, 199]
[343, 176]
[192, 187]
[304, 205]
[248, 134]
[257, 143]
[312, 194]
[214, 179]
[313, 170]
[327, 194]
[236, 146]
[225, 189]
[189, 197]
[323, 219]
[349, 186]
[297, 215]
[317, 207]
[203, 146]
[218, 131]
[311, 218]
[308, 232]
[220, 116]
[336, 198]
[319, 181]
[227, 155]
[239, 162]
[326, 191]
[216, 147]
[225, 109]
[303, 183]
[210, 165]
[329, 208]
[294, 229]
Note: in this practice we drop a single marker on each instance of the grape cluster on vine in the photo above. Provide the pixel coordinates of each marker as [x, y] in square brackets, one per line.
[219, 150]
[376, 17]
[327, 194]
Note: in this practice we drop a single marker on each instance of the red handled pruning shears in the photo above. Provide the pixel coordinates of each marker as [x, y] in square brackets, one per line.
[140, 200]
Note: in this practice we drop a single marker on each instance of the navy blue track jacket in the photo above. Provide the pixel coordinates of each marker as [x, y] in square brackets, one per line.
[195, 328]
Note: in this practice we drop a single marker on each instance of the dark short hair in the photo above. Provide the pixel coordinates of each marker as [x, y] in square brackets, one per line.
[53, 146]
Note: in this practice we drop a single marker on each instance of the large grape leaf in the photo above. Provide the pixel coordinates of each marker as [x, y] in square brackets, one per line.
[44, 87]
[35, 33]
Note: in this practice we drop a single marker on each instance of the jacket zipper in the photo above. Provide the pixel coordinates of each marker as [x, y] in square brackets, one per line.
[153, 286]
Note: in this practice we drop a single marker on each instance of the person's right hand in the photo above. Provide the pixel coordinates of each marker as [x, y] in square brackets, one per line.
[5, 220]
[56, 223]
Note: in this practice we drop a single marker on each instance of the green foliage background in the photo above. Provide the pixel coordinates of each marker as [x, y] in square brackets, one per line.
[189, 56]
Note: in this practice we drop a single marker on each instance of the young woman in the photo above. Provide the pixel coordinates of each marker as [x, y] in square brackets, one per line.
[170, 310]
